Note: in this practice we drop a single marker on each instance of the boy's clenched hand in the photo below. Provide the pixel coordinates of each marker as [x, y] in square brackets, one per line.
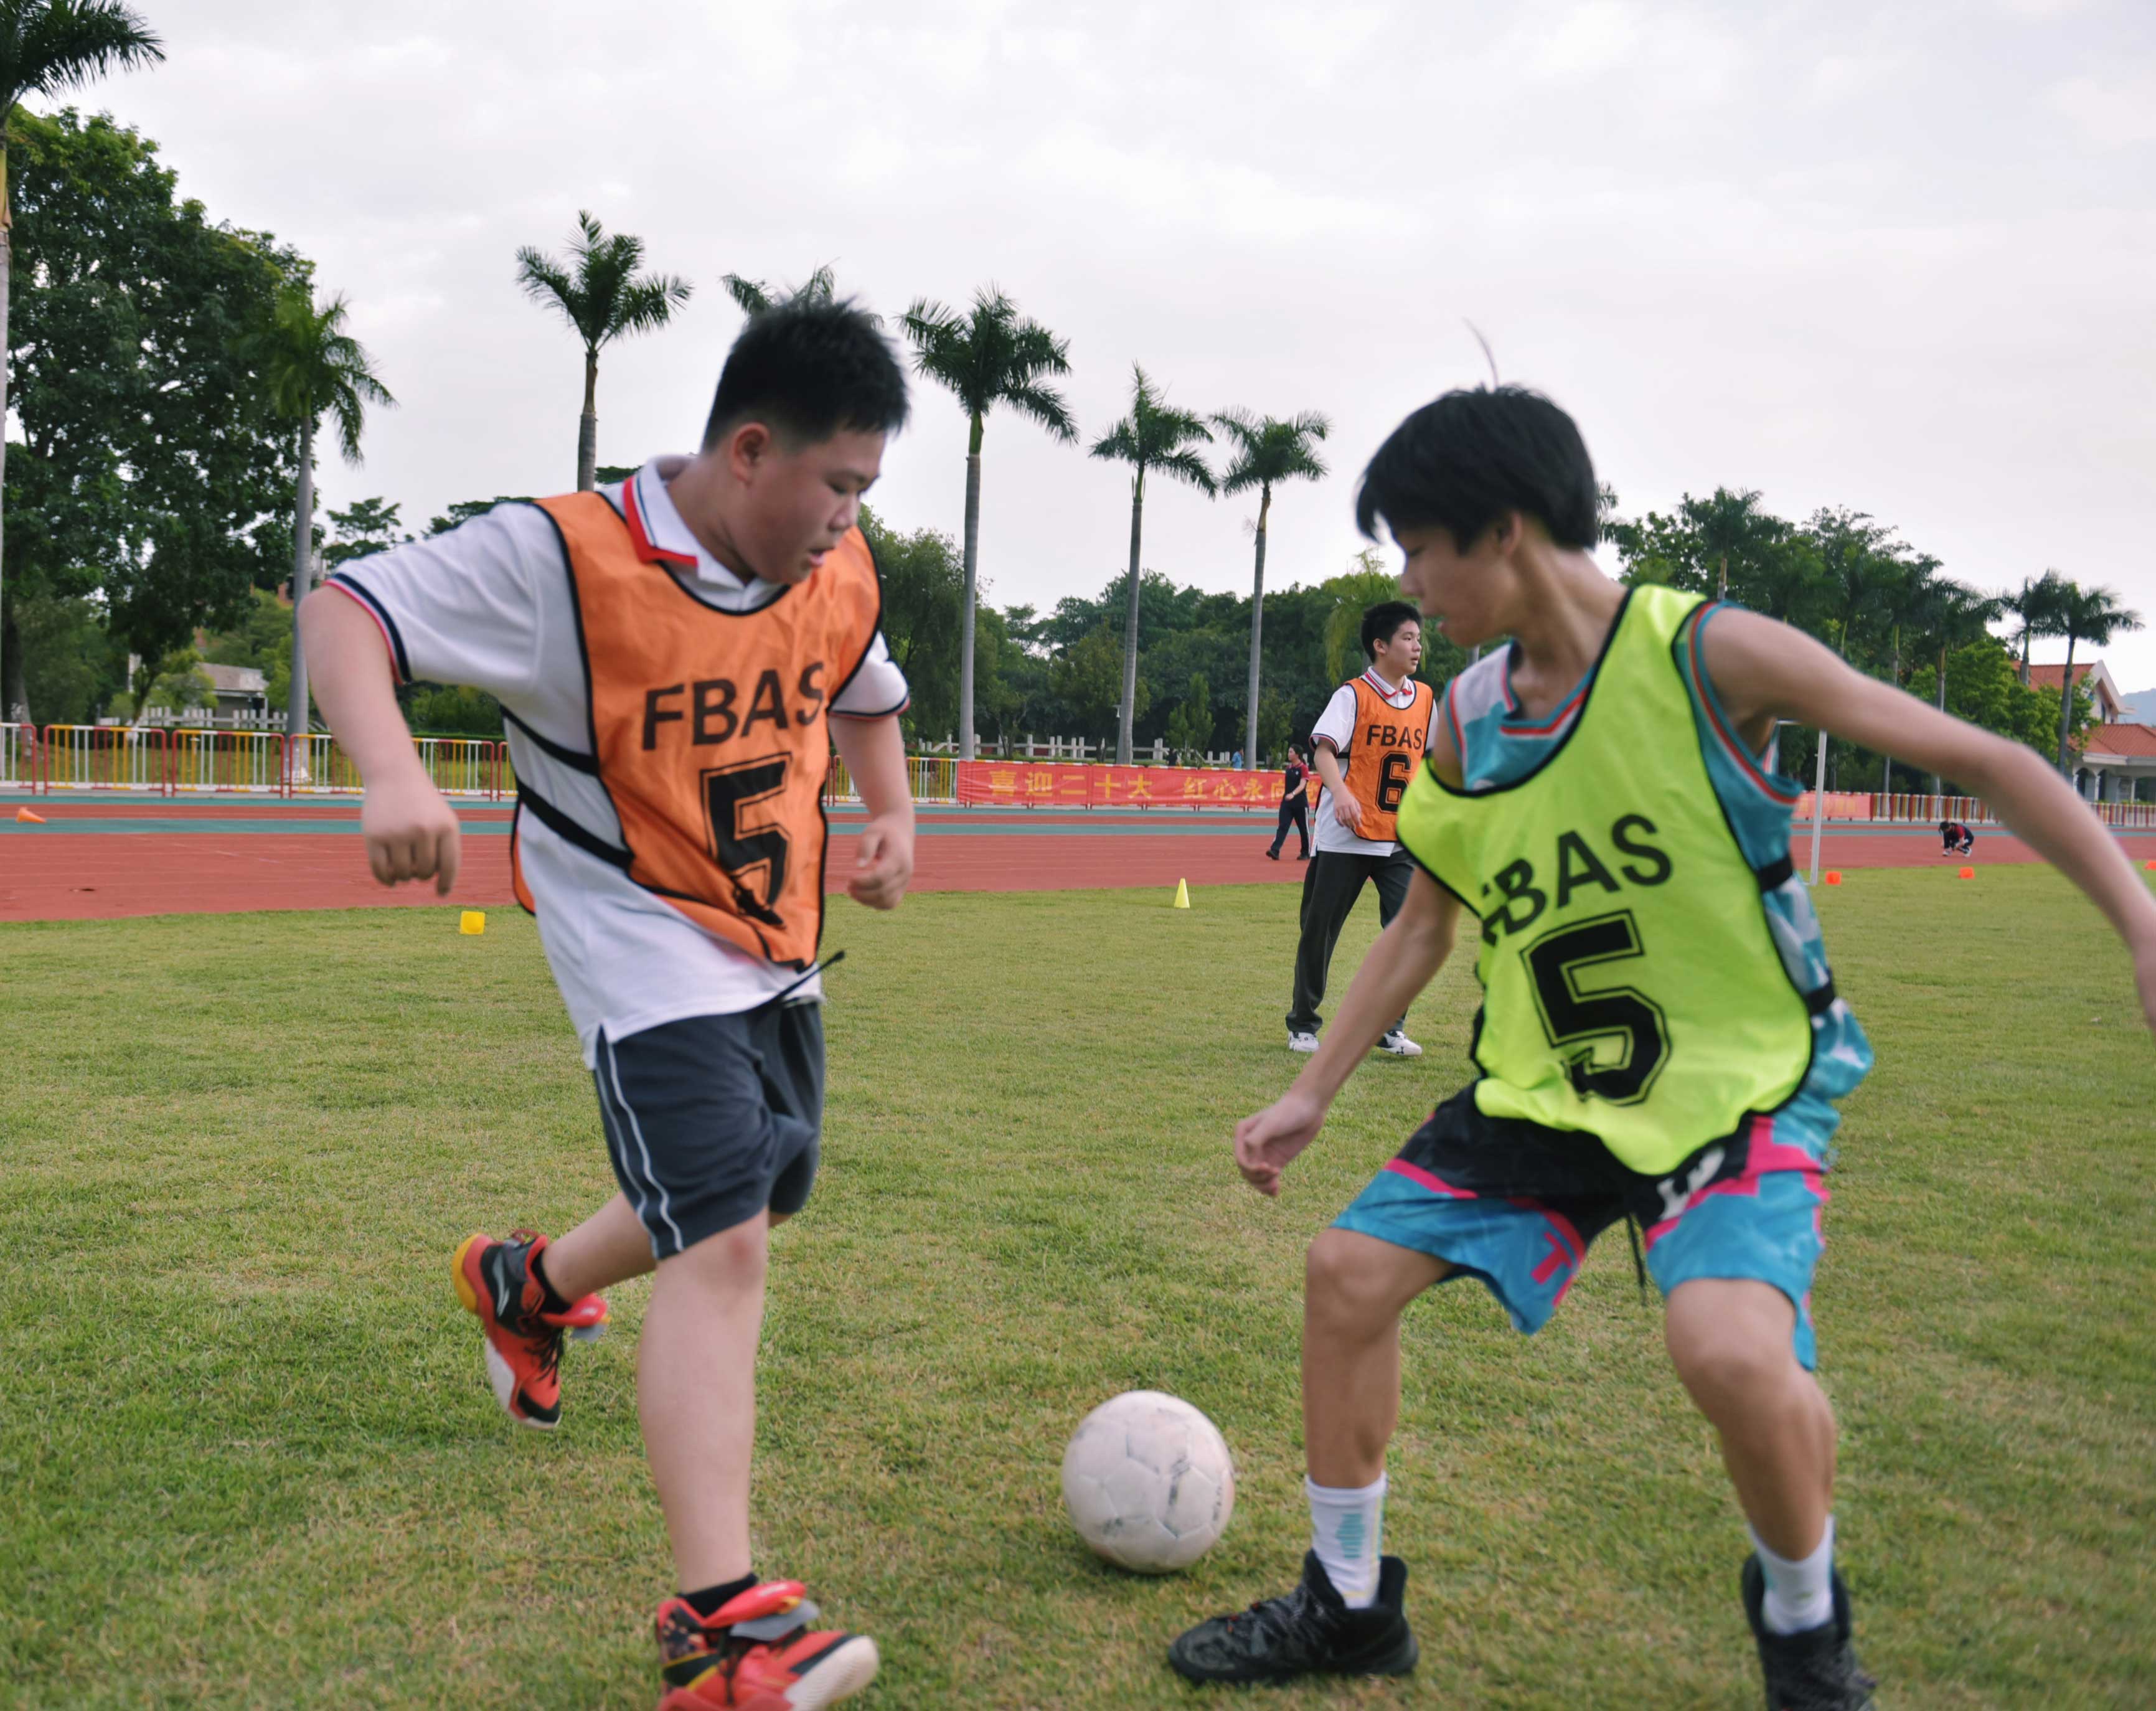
[411, 832]
[883, 863]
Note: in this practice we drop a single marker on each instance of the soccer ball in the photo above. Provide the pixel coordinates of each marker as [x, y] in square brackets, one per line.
[1148, 1483]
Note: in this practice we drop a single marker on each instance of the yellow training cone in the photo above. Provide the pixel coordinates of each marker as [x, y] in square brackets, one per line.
[28, 818]
[1181, 894]
[473, 921]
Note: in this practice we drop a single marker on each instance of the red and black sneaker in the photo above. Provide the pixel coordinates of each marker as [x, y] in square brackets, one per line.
[495, 1281]
[756, 1653]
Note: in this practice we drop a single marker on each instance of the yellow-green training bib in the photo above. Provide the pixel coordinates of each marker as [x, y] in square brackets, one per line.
[1632, 985]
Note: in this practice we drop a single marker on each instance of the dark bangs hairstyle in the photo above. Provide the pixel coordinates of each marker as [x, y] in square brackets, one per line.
[1463, 461]
[808, 368]
[1382, 622]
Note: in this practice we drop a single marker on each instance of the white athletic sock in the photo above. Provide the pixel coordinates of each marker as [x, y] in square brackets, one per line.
[1799, 1595]
[1347, 1527]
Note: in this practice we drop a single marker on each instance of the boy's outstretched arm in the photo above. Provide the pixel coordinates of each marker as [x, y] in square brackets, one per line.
[1761, 668]
[1406, 957]
[410, 829]
[874, 754]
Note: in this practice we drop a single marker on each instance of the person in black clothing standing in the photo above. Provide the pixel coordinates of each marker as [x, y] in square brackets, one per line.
[1295, 805]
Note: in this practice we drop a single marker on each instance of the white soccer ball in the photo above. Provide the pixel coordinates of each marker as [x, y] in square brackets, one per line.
[1148, 1482]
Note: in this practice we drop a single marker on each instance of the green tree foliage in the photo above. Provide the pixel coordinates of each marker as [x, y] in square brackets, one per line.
[2088, 614]
[1850, 581]
[364, 528]
[924, 586]
[71, 670]
[1190, 725]
[47, 46]
[464, 509]
[151, 473]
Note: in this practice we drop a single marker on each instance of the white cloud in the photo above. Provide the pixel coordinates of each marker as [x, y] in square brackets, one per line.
[1838, 252]
[2113, 111]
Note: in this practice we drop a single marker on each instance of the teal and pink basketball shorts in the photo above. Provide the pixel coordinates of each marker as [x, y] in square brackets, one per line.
[1516, 1204]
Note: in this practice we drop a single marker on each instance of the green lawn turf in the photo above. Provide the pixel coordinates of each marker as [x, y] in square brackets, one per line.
[248, 1456]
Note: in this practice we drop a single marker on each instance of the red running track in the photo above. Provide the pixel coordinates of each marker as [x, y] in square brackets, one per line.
[49, 874]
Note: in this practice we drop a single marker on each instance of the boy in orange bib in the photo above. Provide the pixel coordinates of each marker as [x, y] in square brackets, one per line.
[675, 657]
[1365, 747]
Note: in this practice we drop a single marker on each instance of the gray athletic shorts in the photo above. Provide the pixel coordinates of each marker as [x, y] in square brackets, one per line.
[710, 1119]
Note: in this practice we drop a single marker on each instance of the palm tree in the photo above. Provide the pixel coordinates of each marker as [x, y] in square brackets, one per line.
[1859, 567]
[1904, 603]
[1953, 614]
[2084, 615]
[988, 355]
[604, 298]
[47, 46]
[2035, 610]
[1731, 525]
[310, 365]
[1153, 436]
[755, 296]
[1267, 450]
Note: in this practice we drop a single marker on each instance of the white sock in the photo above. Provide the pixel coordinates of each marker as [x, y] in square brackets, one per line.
[1347, 1527]
[1799, 1595]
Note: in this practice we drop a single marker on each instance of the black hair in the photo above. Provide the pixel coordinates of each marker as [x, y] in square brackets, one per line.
[1381, 623]
[808, 368]
[1463, 461]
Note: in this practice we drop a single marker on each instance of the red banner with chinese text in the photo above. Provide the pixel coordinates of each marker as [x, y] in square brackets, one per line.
[1023, 783]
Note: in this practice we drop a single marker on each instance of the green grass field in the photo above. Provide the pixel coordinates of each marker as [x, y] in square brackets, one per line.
[248, 1456]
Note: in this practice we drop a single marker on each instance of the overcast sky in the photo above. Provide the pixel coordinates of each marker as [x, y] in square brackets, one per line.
[1901, 259]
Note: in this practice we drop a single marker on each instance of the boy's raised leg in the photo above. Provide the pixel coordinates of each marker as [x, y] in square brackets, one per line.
[609, 1247]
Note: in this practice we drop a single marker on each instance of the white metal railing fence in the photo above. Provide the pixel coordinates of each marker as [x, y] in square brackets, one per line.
[18, 757]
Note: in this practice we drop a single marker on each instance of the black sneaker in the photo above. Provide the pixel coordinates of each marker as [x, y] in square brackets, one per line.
[1310, 1631]
[1812, 1671]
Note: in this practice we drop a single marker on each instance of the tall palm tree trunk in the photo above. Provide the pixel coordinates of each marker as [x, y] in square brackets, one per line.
[1886, 776]
[587, 427]
[303, 552]
[972, 566]
[14, 708]
[1939, 787]
[1257, 629]
[2066, 708]
[1126, 713]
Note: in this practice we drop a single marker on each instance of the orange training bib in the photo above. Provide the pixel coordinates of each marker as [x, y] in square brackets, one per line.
[1381, 756]
[707, 731]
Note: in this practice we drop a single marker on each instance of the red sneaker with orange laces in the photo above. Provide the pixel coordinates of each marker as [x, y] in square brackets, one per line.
[495, 1281]
[757, 1653]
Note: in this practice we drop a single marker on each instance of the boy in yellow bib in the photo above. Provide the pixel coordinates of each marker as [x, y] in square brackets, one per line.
[1660, 1038]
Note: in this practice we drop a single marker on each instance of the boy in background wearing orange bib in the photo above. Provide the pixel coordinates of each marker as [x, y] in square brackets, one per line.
[675, 657]
[1366, 745]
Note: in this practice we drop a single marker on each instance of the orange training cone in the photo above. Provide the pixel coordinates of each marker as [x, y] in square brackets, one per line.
[1966, 873]
[27, 817]
[1833, 877]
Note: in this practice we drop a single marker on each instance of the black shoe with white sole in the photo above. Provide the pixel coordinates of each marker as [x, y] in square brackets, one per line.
[1308, 1631]
[1815, 1670]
